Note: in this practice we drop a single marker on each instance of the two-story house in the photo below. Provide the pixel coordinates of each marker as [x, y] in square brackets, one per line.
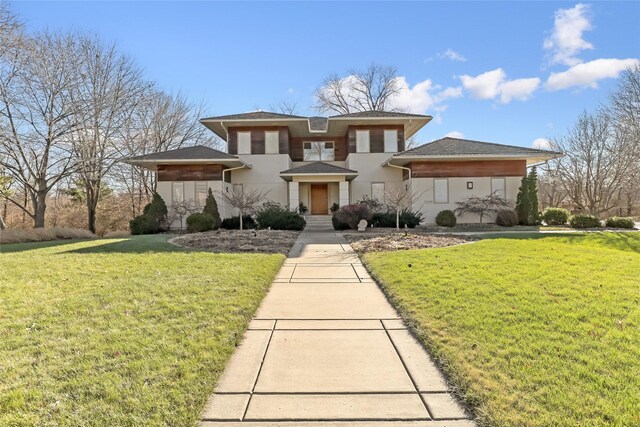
[319, 161]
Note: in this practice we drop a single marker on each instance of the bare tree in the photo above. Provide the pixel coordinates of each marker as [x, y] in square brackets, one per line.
[398, 198]
[368, 90]
[37, 119]
[481, 206]
[246, 201]
[285, 107]
[110, 89]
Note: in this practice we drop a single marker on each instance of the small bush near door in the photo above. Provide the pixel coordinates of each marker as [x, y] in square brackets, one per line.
[446, 218]
[507, 218]
[584, 221]
[555, 216]
[408, 219]
[199, 222]
[233, 223]
[619, 222]
[276, 217]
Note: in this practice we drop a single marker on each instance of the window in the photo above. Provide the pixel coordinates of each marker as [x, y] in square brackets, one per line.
[498, 187]
[377, 191]
[362, 141]
[177, 193]
[271, 142]
[244, 142]
[201, 193]
[441, 191]
[390, 140]
[318, 151]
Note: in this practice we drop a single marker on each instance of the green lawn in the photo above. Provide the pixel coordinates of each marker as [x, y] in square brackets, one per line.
[535, 331]
[123, 332]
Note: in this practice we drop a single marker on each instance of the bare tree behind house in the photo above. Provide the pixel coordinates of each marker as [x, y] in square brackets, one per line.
[110, 88]
[246, 201]
[368, 90]
[285, 107]
[399, 197]
[37, 118]
[481, 206]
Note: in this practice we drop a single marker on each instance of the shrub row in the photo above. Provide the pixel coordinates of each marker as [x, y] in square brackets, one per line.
[619, 222]
[584, 221]
[349, 216]
[555, 216]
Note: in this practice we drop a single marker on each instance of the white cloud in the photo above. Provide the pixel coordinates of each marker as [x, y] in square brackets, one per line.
[454, 134]
[290, 90]
[422, 97]
[494, 83]
[452, 55]
[541, 144]
[566, 41]
[589, 73]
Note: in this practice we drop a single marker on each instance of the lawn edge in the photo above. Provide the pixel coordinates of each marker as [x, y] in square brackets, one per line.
[459, 385]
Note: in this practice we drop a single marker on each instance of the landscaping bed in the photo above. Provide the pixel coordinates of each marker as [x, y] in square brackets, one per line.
[532, 330]
[402, 241]
[261, 241]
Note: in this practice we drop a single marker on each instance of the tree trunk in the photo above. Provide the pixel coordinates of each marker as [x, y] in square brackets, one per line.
[39, 209]
[397, 220]
[2, 223]
[241, 220]
[92, 190]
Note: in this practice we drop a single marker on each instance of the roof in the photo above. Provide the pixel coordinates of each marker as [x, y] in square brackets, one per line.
[255, 115]
[318, 168]
[377, 114]
[197, 152]
[449, 146]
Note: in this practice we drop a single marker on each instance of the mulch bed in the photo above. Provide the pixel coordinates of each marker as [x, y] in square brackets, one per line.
[262, 241]
[402, 241]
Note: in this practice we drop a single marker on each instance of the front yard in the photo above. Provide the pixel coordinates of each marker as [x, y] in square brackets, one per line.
[535, 330]
[119, 332]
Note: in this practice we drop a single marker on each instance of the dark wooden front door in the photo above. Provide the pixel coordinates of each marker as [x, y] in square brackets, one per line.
[319, 199]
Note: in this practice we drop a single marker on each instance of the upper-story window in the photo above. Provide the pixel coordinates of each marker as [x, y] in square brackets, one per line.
[390, 140]
[319, 151]
[271, 142]
[244, 142]
[362, 141]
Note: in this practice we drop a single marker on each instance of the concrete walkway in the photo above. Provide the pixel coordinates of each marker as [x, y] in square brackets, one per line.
[326, 348]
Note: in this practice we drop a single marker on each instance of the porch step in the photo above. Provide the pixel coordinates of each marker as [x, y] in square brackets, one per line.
[318, 222]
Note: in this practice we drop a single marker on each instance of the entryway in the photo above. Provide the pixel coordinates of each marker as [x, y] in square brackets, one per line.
[319, 199]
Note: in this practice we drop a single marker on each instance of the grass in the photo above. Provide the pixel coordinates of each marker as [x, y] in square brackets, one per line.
[119, 332]
[535, 330]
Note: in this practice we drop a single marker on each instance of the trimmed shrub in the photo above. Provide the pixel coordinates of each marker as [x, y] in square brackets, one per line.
[619, 222]
[302, 208]
[337, 225]
[584, 221]
[276, 217]
[334, 207]
[351, 215]
[157, 209]
[211, 208]
[507, 218]
[388, 219]
[200, 221]
[233, 223]
[555, 216]
[446, 218]
[144, 224]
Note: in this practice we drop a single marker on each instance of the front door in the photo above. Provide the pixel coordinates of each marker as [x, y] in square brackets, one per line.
[319, 199]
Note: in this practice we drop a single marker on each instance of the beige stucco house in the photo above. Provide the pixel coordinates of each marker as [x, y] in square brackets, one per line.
[319, 161]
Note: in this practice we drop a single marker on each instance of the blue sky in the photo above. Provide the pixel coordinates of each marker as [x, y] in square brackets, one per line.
[482, 69]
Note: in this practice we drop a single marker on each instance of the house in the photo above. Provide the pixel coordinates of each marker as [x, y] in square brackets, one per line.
[322, 161]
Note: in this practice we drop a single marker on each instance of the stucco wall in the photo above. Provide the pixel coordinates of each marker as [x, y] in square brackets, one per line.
[265, 175]
[164, 190]
[369, 171]
[458, 191]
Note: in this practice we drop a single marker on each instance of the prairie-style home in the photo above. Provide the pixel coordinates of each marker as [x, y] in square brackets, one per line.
[319, 161]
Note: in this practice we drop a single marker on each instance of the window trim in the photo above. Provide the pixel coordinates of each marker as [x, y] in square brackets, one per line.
[362, 132]
[446, 180]
[395, 142]
[238, 141]
[504, 186]
[173, 184]
[277, 141]
[321, 159]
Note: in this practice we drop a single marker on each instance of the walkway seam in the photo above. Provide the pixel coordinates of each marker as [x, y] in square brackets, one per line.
[424, 402]
[273, 328]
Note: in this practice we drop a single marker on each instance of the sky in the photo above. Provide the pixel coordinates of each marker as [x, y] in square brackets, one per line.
[507, 72]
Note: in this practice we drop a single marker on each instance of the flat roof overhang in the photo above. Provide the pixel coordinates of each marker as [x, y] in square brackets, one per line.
[531, 159]
[336, 126]
[153, 164]
[290, 176]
